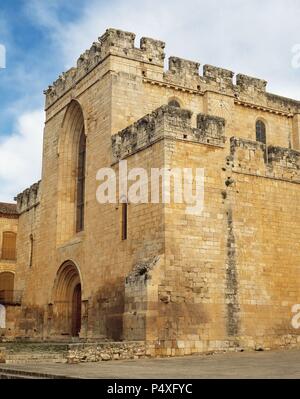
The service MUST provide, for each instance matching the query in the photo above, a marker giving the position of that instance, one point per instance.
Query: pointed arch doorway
(67, 300)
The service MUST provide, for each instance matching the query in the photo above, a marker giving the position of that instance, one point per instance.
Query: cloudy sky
(45, 37)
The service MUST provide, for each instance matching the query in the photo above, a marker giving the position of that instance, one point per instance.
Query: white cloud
(20, 155)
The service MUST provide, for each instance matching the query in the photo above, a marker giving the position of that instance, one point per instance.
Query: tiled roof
(8, 209)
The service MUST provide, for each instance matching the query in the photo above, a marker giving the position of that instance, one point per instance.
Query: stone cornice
(263, 108)
(182, 75)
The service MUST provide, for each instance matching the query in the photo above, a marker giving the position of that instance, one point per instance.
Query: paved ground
(279, 364)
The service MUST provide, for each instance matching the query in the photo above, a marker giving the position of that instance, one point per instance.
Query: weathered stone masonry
(179, 284)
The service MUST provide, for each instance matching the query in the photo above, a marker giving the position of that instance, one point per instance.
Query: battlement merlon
(122, 43)
(284, 157)
(218, 75)
(167, 122)
(29, 198)
(272, 161)
(182, 67)
(225, 77)
(245, 83)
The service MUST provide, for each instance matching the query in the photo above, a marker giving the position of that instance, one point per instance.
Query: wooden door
(6, 287)
(76, 311)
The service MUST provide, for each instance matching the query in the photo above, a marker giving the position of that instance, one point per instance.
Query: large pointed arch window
(81, 183)
(72, 168)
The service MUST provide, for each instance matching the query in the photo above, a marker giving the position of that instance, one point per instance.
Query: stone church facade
(227, 278)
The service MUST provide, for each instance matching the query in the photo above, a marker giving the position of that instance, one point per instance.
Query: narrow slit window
(81, 183)
(124, 221)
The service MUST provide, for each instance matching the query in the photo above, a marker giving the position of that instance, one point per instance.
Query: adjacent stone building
(182, 283)
(8, 257)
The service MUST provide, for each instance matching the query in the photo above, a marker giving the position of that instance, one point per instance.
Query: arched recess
(67, 300)
(73, 129)
(174, 102)
(7, 281)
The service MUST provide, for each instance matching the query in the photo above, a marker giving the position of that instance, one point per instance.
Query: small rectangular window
(31, 250)
(124, 221)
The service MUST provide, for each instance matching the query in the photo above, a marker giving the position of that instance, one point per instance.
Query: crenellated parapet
(182, 74)
(246, 90)
(149, 129)
(167, 122)
(113, 42)
(29, 198)
(252, 157)
(117, 42)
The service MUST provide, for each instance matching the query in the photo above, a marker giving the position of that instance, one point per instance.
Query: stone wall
(201, 295)
(29, 198)
(231, 274)
(29, 319)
